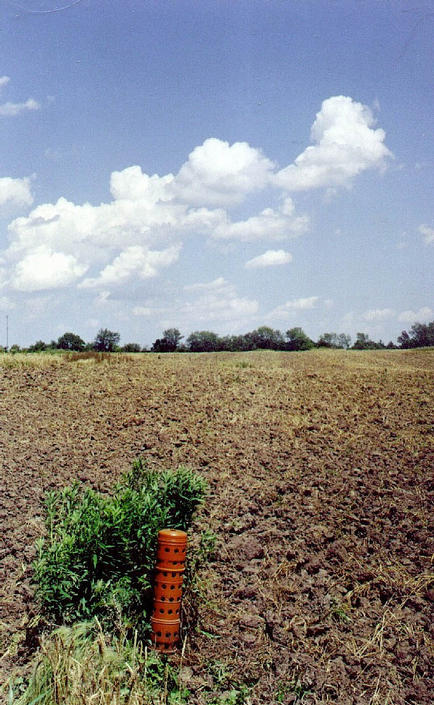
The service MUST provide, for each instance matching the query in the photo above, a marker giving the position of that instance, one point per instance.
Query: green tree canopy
(169, 342)
(333, 340)
(203, 341)
(106, 340)
(363, 342)
(267, 338)
(39, 346)
(298, 340)
(131, 348)
(421, 335)
(70, 341)
(173, 337)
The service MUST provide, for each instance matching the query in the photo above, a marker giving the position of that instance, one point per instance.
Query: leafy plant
(99, 552)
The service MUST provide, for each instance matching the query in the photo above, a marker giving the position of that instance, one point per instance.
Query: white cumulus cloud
(270, 258)
(219, 174)
(421, 316)
(218, 284)
(45, 269)
(147, 217)
(11, 109)
(135, 260)
(345, 143)
(132, 184)
(289, 307)
(15, 191)
(428, 233)
(270, 224)
(378, 314)
(201, 304)
(217, 300)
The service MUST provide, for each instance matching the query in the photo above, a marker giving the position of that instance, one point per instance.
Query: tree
(298, 340)
(328, 340)
(203, 341)
(169, 342)
(421, 336)
(363, 342)
(267, 338)
(332, 340)
(344, 341)
(39, 346)
(404, 340)
(106, 340)
(131, 348)
(173, 337)
(70, 341)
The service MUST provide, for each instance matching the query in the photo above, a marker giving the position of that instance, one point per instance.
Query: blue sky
(215, 165)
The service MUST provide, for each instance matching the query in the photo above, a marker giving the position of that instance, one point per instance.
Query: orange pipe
(169, 573)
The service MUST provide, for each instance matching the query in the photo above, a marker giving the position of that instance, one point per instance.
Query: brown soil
(320, 467)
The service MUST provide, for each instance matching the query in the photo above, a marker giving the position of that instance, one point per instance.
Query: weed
(236, 696)
(219, 671)
(82, 664)
(98, 556)
(339, 613)
(243, 364)
(208, 540)
(295, 687)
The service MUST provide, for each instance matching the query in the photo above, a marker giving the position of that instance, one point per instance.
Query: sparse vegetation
(320, 588)
(82, 664)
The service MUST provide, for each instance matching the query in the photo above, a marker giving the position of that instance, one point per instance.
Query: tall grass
(81, 664)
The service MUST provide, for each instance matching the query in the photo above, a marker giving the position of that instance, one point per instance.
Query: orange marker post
(169, 573)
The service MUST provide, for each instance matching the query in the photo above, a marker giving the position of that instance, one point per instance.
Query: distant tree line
(105, 341)
(262, 338)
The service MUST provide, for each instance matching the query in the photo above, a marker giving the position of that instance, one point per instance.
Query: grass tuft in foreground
(81, 664)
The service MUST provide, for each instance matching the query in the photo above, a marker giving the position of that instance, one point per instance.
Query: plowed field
(320, 466)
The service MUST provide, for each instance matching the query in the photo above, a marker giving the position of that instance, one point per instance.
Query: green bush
(99, 552)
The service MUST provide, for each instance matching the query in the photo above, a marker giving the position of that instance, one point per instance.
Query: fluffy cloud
(216, 301)
(344, 144)
(97, 231)
(289, 307)
(421, 316)
(133, 234)
(12, 109)
(270, 224)
(45, 269)
(378, 314)
(133, 261)
(220, 284)
(132, 184)
(428, 233)
(219, 174)
(269, 259)
(201, 303)
(15, 191)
